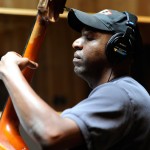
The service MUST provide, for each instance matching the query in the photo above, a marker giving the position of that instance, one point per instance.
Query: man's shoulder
(119, 84)
(111, 87)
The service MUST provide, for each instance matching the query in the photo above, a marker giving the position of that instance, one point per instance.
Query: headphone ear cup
(116, 48)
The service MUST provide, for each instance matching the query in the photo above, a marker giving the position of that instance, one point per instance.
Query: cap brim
(78, 20)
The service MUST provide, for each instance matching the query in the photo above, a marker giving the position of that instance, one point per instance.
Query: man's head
(107, 38)
(122, 25)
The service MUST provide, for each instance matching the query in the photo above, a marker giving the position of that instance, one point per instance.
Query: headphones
(121, 45)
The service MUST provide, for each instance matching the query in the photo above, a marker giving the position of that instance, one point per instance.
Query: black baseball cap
(108, 20)
(105, 20)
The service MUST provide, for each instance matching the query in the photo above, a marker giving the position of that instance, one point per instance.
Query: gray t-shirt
(115, 116)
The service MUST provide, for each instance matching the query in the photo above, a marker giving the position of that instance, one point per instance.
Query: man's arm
(41, 121)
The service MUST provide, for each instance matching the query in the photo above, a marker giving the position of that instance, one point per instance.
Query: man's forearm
(36, 116)
(31, 109)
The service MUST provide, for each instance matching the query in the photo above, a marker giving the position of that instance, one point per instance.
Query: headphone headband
(131, 19)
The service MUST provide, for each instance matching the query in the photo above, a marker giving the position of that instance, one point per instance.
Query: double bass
(48, 11)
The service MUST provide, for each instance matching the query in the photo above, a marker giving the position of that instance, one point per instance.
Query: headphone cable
(109, 79)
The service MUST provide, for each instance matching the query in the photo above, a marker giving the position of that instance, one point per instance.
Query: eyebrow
(88, 31)
(93, 30)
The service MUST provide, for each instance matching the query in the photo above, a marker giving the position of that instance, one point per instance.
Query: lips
(76, 59)
(77, 56)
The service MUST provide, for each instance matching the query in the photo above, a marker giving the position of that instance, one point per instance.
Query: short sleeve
(104, 117)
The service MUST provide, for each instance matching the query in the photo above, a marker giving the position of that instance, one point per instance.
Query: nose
(78, 44)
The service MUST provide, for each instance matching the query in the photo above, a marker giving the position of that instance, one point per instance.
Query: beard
(90, 67)
(90, 71)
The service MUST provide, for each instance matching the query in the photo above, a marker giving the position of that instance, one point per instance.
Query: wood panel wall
(139, 7)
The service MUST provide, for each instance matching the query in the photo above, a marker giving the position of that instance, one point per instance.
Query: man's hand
(13, 60)
(51, 9)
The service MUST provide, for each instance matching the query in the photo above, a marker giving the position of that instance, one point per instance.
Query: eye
(90, 37)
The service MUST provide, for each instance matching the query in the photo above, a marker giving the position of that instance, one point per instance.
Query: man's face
(89, 57)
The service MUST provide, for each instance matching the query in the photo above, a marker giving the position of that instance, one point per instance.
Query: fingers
(8, 54)
(50, 9)
(52, 12)
(28, 63)
(14, 58)
(33, 65)
(56, 7)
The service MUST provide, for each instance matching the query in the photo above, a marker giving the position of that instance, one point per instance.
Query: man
(116, 114)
